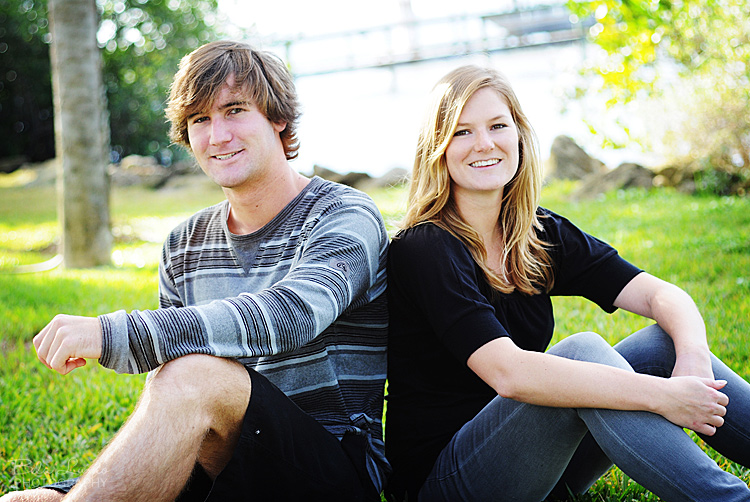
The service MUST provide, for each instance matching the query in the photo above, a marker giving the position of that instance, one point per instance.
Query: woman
(477, 410)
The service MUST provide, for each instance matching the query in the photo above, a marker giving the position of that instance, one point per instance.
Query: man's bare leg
(37, 495)
(191, 410)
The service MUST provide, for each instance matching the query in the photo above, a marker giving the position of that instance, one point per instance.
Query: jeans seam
(481, 445)
(637, 456)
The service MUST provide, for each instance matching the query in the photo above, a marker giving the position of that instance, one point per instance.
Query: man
(287, 277)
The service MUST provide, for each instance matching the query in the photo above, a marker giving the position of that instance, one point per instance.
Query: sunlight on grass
(52, 426)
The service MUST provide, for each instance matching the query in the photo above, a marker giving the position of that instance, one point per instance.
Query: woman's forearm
(549, 380)
(676, 313)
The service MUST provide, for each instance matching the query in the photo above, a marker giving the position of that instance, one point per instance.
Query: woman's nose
(483, 142)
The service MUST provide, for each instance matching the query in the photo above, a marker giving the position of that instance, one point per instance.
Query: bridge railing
(429, 39)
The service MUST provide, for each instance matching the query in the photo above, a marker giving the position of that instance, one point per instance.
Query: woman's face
(483, 154)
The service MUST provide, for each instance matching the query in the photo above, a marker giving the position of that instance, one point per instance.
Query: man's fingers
(64, 343)
(55, 359)
(42, 342)
(72, 364)
(61, 350)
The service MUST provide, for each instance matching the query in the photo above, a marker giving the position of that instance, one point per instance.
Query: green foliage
(142, 43)
(52, 427)
(683, 67)
(25, 85)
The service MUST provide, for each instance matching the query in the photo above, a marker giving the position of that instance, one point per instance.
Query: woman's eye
(499, 126)
(462, 132)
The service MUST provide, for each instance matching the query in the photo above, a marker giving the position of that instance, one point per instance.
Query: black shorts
(283, 454)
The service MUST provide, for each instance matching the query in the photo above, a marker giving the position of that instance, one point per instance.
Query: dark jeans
(513, 451)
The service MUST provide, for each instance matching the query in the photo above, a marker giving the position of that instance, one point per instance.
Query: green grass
(51, 426)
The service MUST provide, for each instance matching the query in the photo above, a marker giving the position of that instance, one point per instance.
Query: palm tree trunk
(81, 134)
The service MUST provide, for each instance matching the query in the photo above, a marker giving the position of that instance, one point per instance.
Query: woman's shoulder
(425, 235)
(556, 227)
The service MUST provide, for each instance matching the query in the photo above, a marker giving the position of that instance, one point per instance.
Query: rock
(569, 161)
(10, 164)
(325, 173)
(352, 179)
(185, 167)
(139, 170)
(626, 175)
(395, 177)
(38, 174)
(355, 180)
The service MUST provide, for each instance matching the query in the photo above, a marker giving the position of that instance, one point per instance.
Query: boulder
(626, 175)
(139, 170)
(10, 164)
(352, 179)
(395, 177)
(569, 161)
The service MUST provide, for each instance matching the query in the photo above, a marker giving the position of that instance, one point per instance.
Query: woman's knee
(649, 350)
(588, 346)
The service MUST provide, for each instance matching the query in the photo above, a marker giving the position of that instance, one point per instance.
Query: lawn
(52, 426)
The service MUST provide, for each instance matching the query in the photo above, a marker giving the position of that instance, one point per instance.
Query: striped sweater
(301, 301)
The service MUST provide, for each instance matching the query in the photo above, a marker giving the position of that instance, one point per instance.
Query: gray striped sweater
(301, 300)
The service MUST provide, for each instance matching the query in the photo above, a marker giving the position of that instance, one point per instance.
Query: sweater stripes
(301, 301)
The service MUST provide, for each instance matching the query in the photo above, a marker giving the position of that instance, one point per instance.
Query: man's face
(233, 141)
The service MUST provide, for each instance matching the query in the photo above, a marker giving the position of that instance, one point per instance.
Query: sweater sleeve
(339, 267)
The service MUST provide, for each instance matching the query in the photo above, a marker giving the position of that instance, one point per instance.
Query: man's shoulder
(204, 221)
(327, 199)
(331, 190)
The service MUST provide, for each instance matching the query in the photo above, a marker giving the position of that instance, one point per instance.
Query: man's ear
(279, 126)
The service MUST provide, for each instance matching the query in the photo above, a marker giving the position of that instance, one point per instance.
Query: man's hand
(66, 342)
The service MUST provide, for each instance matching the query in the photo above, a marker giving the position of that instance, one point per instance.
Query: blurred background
(625, 95)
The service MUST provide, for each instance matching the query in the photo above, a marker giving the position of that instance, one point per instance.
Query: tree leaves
(683, 54)
(142, 43)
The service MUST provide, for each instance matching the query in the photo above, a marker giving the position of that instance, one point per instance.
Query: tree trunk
(81, 134)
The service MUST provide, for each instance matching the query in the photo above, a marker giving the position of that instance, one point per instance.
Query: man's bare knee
(37, 495)
(215, 390)
(217, 386)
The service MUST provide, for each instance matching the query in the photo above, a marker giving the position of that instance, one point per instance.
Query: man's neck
(254, 206)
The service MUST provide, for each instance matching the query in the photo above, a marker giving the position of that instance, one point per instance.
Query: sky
(310, 17)
(367, 120)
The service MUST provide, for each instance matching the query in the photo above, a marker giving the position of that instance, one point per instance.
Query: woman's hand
(693, 363)
(695, 403)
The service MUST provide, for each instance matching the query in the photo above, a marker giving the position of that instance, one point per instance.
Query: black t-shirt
(442, 310)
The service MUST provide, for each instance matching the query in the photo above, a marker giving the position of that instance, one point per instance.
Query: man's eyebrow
(234, 103)
(222, 107)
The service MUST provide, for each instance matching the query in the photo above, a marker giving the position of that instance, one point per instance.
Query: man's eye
(198, 120)
(235, 111)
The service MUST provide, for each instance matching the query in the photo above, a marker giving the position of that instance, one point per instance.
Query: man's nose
(220, 132)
